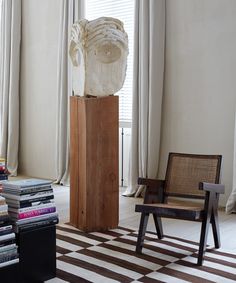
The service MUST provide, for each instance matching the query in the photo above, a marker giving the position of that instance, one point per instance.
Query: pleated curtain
(10, 38)
(148, 77)
(71, 11)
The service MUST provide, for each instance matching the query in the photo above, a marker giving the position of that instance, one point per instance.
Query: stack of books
(8, 248)
(30, 203)
(3, 172)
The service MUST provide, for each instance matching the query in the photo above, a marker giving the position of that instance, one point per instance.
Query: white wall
(200, 84)
(40, 28)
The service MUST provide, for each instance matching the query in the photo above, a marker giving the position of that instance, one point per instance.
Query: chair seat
(172, 210)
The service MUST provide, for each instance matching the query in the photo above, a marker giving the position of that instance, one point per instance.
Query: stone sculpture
(98, 50)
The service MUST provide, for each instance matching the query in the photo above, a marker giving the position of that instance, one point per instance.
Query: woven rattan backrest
(185, 171)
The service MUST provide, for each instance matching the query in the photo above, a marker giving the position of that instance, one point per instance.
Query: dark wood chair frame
(155, 193)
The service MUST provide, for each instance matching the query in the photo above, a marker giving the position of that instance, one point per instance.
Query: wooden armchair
(189, 176)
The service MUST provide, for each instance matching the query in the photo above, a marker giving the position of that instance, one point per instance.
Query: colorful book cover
(51, 203)
(2, 168)
(36, 218)
(37, 212)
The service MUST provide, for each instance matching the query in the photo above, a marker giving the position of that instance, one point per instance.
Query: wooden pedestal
(94, 187)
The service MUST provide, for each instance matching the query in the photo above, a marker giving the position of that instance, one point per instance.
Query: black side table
(37, 254)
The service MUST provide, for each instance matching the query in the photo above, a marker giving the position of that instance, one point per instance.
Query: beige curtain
(10, 37)
(71, 11)
(231, 203)
(149, 46)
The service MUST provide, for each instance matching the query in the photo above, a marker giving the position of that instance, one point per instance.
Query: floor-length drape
(71, 10)
(148, 76)
(10, 37)
(231, 203)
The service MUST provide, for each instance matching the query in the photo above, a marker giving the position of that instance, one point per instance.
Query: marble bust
(98, 50)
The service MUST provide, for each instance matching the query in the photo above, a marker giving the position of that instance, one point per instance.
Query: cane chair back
(185, 171)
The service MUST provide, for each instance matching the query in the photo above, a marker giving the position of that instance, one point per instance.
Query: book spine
(3, 176)
(25, 203)
(8, 255)
(37, 218)
(10, 262)
(3, 213)
(33, 207)
(5, 230)
(27, 196)
(2, 201)
(7, 242)
(23, 186)
(3, 207)
(38, 212)
(25, 191)
(8, 258)
(15, 199)
(2, 233)
(7, 237)
(36, 195)
(4, 219)
(22, 205)
(6, 248)
(44, 223)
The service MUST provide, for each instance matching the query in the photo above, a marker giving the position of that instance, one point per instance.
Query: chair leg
(215, 228)
(158, 225)
(203, 239)
(142, 231)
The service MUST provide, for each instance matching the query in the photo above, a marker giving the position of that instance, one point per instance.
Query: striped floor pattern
(110, 257)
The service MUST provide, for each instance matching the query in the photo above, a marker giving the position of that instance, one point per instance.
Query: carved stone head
(98, 50)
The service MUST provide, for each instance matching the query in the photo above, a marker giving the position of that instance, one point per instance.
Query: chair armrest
(210, 187)
(154, 190)
(151, 182)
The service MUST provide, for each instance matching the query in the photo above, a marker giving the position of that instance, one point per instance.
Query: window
(124, 11)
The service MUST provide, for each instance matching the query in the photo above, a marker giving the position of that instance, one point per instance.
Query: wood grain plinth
(94, 187)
